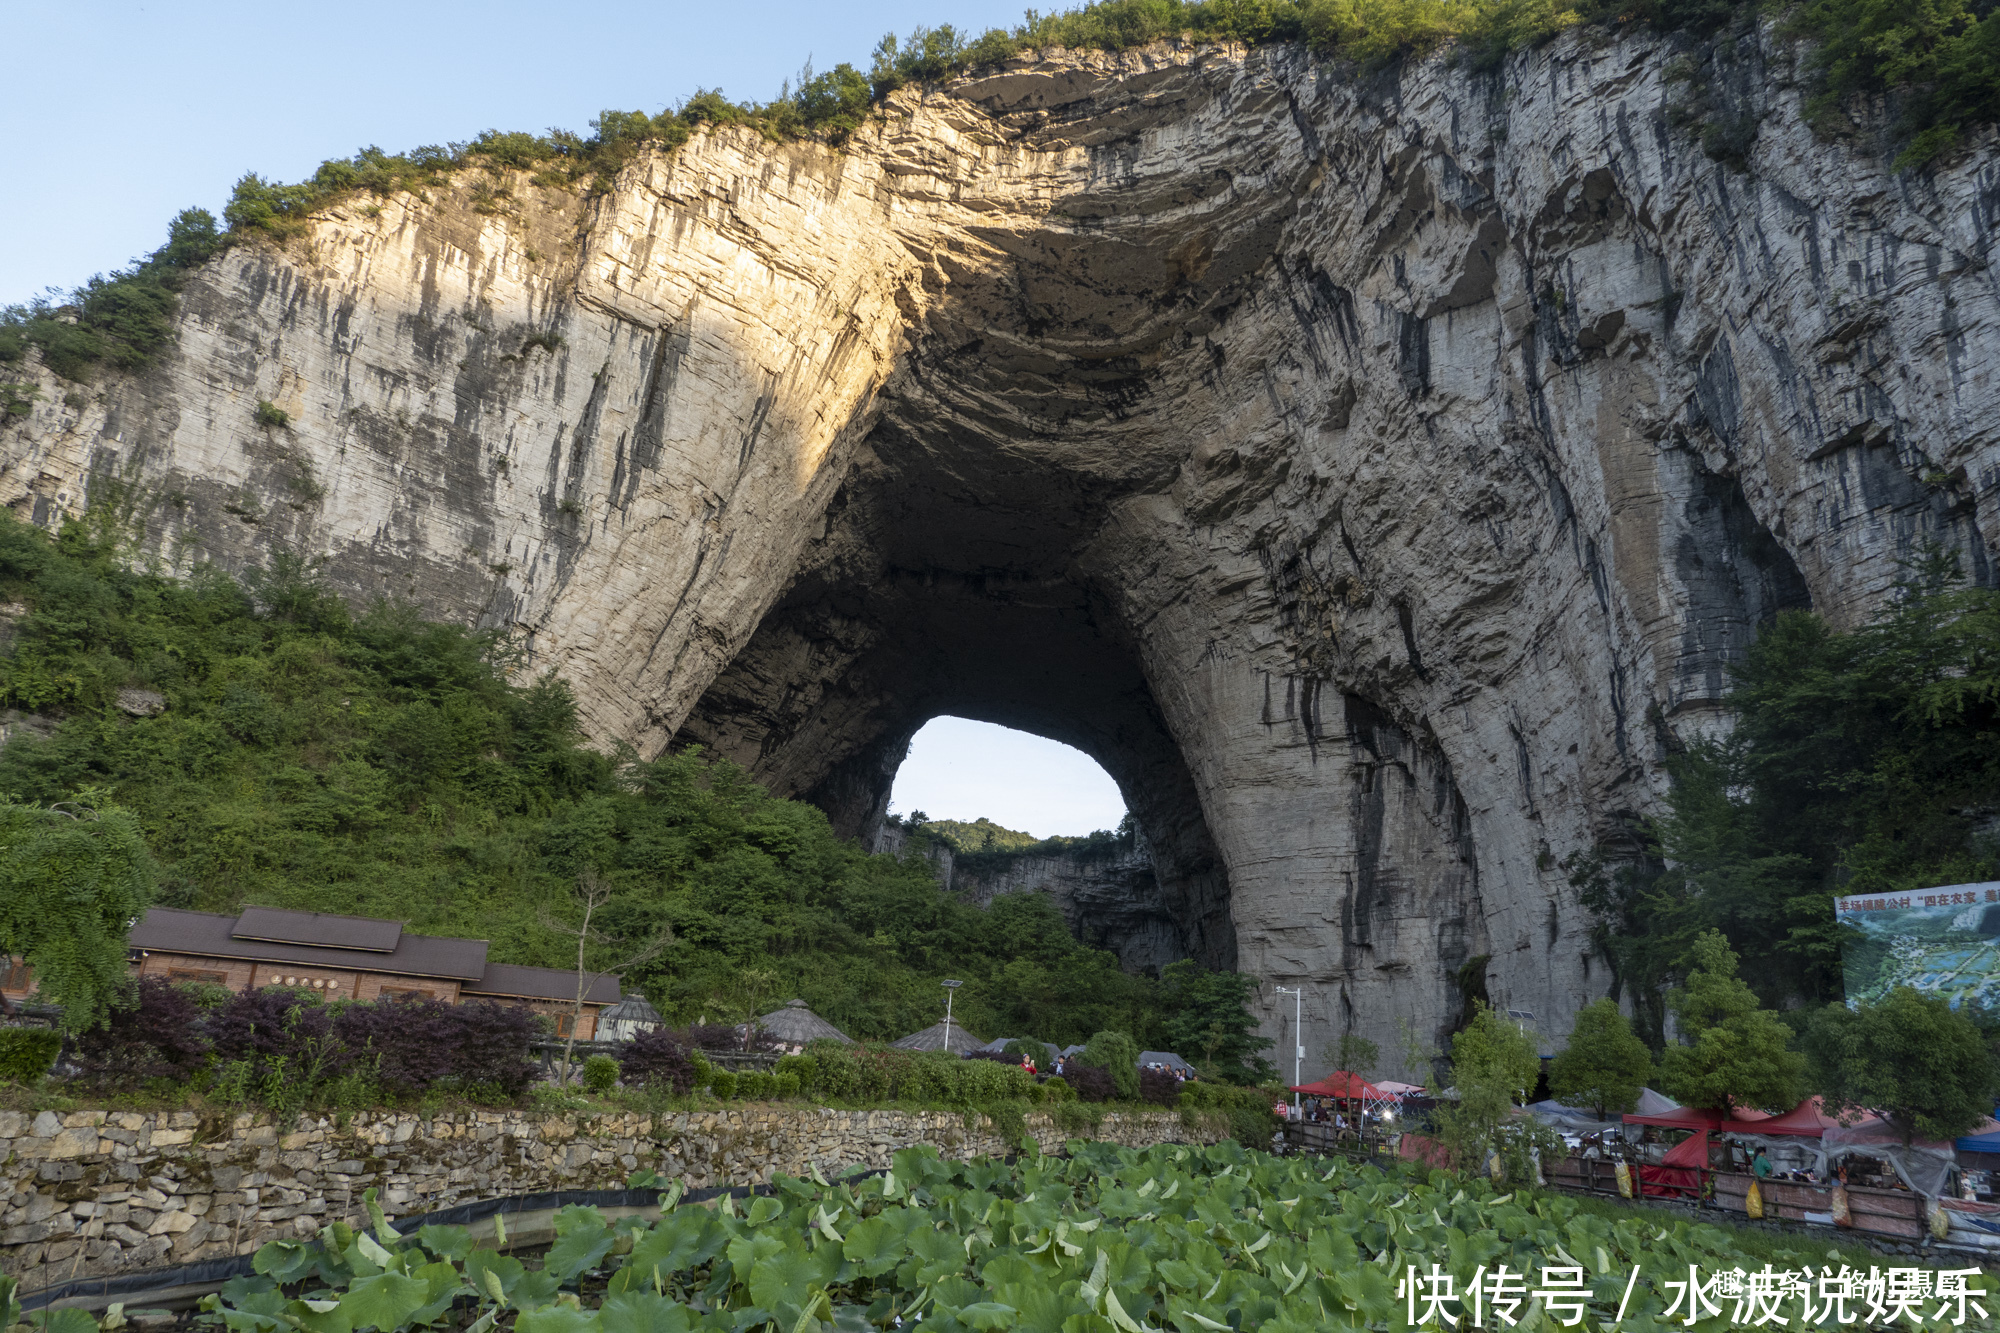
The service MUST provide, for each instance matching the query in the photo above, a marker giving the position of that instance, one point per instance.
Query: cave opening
(1015, 782)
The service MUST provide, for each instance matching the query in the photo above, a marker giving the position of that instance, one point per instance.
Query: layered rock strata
(1377, 474)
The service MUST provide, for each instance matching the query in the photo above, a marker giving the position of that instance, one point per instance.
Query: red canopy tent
(1696, 1118)
(1681, 1117)
(1806, 1120)
(1340, 1083)
(1679, 1172)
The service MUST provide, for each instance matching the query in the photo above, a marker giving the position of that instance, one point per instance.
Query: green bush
(124, 318)
(1056, 1091)
(801, 1065)
(1074, 1117)
(836, 1073)
(600, 1073)
(27, 1053)
(704, 1072)
(723, 1083)
(1118, 1054)
(270, 414)
(754, 1086)
(785, 1086)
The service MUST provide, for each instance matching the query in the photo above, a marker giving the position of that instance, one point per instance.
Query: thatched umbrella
(795, 1025)
(932, 1039)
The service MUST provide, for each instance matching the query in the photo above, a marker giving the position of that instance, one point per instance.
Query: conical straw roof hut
(795, 1025)
(932, 1039)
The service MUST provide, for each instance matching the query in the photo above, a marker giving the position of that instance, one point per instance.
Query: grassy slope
(384, 766)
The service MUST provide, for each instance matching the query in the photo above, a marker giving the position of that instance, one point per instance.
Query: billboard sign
(1943, 941)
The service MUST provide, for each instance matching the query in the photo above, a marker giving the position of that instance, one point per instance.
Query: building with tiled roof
(352, 957)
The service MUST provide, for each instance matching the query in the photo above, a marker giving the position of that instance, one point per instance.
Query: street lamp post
(1298, 1036)
(949, 987)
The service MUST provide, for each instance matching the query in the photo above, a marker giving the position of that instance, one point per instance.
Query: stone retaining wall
(93, 1192)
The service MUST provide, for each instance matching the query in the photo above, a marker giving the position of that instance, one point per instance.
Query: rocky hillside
(1376, 474)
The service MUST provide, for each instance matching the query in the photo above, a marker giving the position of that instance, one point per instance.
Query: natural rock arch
(1375, 476)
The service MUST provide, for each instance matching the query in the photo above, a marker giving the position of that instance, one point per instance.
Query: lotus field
(1105, 1240)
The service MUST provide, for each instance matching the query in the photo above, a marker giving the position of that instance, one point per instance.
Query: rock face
(1109, 895)
(1376, 475)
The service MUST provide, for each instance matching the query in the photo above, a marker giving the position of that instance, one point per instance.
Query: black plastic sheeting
(132, 1288)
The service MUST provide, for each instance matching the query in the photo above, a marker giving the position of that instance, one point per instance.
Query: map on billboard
(1943, 941)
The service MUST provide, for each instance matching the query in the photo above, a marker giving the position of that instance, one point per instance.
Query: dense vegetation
(1105, 1238)
(377, 764)
(121, 319)
(981, 835)
(1861, 762)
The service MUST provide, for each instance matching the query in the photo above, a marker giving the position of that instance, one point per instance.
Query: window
(409, 990)
(15, 974)
(196, 974)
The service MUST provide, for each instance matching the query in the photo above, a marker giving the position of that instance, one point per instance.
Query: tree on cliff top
(1736, 1054)
(1604, 1065)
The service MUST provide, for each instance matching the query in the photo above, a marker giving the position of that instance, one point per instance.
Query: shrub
(787, 1086)
(491, 1048)
(123, 318)
(661, 1059)
(1091, 1083)
(1056, 1091)
(1075, 1117)
(158, 1034)
(1159, 1087)
(1119, 1054)
(407, 1041)
(723, 1083)
(270, 414)
(801, 1066)
(276, 1030)
(27, 1053)
(755, 1086)
(600, 1073)
(933, 1076)
(836, 1073)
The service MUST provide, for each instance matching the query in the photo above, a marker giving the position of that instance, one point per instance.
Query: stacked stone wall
(95, 1192)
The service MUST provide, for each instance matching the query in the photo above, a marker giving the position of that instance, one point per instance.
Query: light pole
(1298, 1036)
(949, 987)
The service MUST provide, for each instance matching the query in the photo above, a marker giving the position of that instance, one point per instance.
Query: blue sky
(119, 115)
(959, 769)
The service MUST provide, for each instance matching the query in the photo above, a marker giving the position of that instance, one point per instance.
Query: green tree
(1909, 1057)
(1493, 1052)
(1493, 1064)
(1858, 762)
(1734, 1053)
(1119, 1054)
(1208, 1015)
(1604, 1065)
(73, 880)
(1354, 1053)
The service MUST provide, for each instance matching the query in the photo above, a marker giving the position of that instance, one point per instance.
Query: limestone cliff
(1376, 474)
(1109, 893)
